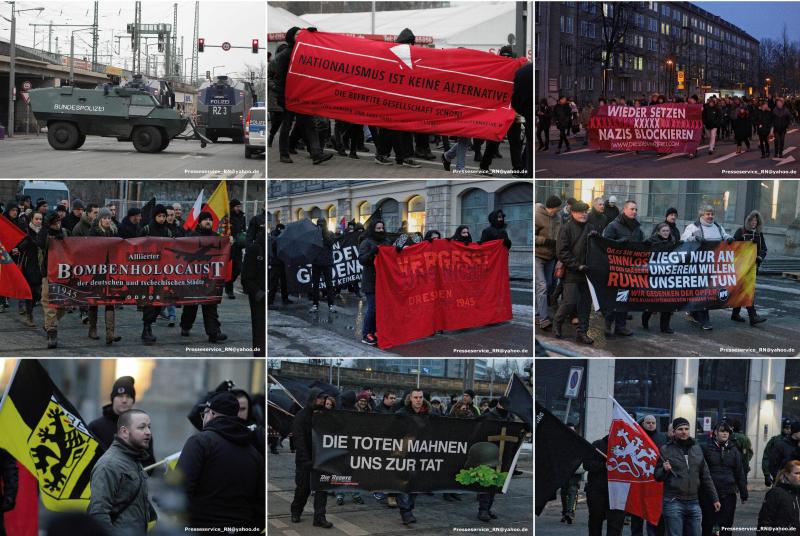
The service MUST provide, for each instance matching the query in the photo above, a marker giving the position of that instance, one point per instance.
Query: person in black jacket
(499, 413)
(239, 234)
(123, 398)
(597, 496)
(223, 473)
(373, 237)
(612, 210)
(624, 228)
(544, 115)
(712, 121)
(157, 227)
(597, 218)
(742, 129)
(131, 225)
(304, 461)
(462, 235)
(321, 267)
(562, 114)
(30, 265)
(780, 513)
(763, 120)
(785, 449)
(103, 226)
(210, 315)
(780, 122)
(497, 229)
(9, 482)
(727, 471)
(72, 219)
(253, 275)
(571, 247)
(387, 405)
(662, 238)
(752, 231)
(277, 269)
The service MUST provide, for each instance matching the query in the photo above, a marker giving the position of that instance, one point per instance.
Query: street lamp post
(12, 56)
(72, 53)
(669, 77)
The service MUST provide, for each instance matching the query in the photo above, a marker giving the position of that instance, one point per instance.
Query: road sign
(681, 86)
(681, 77)
(706, 424)
(26, 85)
(574, 382)
(226, 46)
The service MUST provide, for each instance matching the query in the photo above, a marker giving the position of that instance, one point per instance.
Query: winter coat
(301, 431)
(96, 230)
(254, 270)
(495, 231)
(571, 249)
(624, 229)
(562, 114)
(712, 116)
(743, 234)
(657, 437)
(70, 221)
(461, 410)
(687, 476)
(598, 220)
(658, 243)
(9, 482)
(255, 224)
(522, 94)
(781, 509)
(765, 458)
(127, 229)
(725, 465)
(282, 60)
(154, 229)
(597, 480)
(544, 114)
(785, 449)
(458, 238)
(238, 224)
(763, 120)
(272, 98)
(104, 428)
(673, 231)
(42, 240)
(384, 409)
(782, 119)
(30, 259)
(118, 480)
(696, 231)
(325, 257)
(223, 476)
(742, 128)
(83, 227)
(610, 212)
(367, 250)
(407, 410)
(547, 228)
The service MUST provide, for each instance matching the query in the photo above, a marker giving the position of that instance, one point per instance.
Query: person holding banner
(374, 236)
(51, 231)
(752, 231)
(662, 238)
(623, 229)
(415, 404)
(104, 227)
(29, 255)
(131, 225)
(597, 495)
(157, 227)
(321, 268)
(727, 471)
(9, 481)
(462, 235)
(682, 468)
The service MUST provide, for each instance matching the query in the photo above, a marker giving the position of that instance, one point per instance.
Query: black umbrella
(300, 243)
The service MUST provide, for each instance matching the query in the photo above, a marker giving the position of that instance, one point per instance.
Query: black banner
(404, 453)
(345, 271)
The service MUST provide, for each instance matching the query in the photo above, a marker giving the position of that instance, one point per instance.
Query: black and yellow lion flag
(44, 432)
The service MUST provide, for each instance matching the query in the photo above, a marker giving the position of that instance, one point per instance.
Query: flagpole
(276, 406)
(279, 384)
(162, 462)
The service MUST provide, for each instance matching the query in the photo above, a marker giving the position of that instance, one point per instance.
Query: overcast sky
(237, 22)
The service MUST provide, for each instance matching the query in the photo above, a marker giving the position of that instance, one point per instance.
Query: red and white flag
(191, 219)
(631, 466)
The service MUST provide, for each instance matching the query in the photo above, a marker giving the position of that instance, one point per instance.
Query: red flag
(459, 92)
(191, 218)
(12, 282)
(23, 520)
(439, 285)
(9, 233)
(631, 465)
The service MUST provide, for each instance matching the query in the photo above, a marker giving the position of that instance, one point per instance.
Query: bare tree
(617, 21)
(257, 74)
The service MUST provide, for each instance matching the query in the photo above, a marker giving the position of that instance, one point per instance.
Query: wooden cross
(502, 438)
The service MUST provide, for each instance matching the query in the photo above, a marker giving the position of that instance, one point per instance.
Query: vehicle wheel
(248, 153)
(212, 137)
(63, 136)
(81, 141)
(147, 139)
(164, 144)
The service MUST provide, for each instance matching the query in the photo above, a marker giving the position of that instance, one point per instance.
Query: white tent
(478, 25)
(278, 21)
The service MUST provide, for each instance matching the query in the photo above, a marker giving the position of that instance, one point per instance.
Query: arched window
(364, 211)
(315, 214)
(332, 218)
(390, 214)
(276, 218)
(516, 202)
(416, 214)
(474, 209)
(300, 214)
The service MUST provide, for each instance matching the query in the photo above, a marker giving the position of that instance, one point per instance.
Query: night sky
(759, 19)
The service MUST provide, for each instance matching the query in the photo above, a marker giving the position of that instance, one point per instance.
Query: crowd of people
(314, 134)
(42, 224)
(221, 468)
(741, 118)
(703, 478)
(562, 235)
(374, 235)
(415, 402)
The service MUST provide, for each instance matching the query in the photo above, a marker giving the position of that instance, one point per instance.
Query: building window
(516, 201)
(364, 212)
(300, 214)
(722, 392)
(332, 223)
(644, 387)
(551, 377)
(664, 28)
(566, 24)
(652, 24)
(791, 391)
(474, 208)
(587, 29)
(664, 10)
(416, 214)
(777, 202)
(390, 214)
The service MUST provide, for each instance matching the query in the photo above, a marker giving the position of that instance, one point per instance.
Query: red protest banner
(439, 285)
(141, 271)
(10, 234)
(457, 92)
(665, 128)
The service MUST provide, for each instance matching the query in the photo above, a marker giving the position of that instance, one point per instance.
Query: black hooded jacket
(496, 231)
(301, 431)
(624, 229)
(282, 61)
(457, 235)
(9, 481)
(223, 476)
(597, 482)
(785, 449)
(105, 427)
(781, 509)
(406, 37)
(725, 465)
(155, 229)
(325, 257)
(367, 250)
(756, 236)
(128, 229)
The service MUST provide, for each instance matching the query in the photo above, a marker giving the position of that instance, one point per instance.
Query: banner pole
(285, 389)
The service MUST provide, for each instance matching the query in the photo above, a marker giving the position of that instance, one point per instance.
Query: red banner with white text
(665, 128)
(439, 285)
(138, 271)
(458, 92)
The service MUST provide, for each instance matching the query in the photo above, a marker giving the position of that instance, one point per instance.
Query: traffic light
(201, 44)
(161, 42)
(255, 46)
(208, 75)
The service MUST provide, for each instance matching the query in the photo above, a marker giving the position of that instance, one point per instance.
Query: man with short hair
(112, 207)
(650, 427)
(84, 226)
(131, 225)
(786, 431)
(624, 229)
(548, 224)
(72, 219)
(223, 473)
(387, 404)
(597, 216)
(415, 405)
(119, 500)
(467, 399)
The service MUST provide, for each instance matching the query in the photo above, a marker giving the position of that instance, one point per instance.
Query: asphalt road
(582, 162)
(549, 522)
(18, 340)
(32, 157)
(294, 332)
(777, 299)
(434, 515)
(365, 166)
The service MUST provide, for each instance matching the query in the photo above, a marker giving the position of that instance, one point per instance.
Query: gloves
(729, 240)
(583, 268)
(593, 233)
(549, 242)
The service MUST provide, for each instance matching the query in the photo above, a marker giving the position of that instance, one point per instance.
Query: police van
(255, 131)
